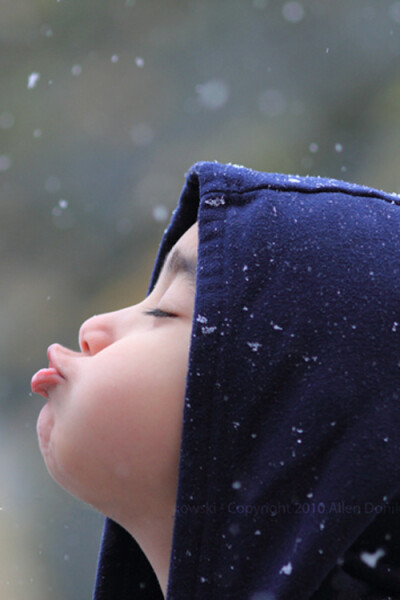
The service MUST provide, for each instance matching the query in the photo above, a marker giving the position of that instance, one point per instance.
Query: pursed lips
(48, 377)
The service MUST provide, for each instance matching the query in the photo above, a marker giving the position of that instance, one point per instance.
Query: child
(263, 463)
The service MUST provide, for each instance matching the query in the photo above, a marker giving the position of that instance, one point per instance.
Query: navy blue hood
(289, 480)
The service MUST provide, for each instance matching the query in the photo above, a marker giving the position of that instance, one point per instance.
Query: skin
(110, 432)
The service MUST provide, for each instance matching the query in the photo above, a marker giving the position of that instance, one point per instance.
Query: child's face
(110, 432)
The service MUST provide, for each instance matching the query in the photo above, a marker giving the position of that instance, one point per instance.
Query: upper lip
(53, 363)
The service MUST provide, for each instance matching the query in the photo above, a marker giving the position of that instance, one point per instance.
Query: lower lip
(43, 380)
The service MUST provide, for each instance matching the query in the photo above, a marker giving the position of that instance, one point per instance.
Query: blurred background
(104, 105)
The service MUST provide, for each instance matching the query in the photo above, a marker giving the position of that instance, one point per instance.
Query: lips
(44, 379)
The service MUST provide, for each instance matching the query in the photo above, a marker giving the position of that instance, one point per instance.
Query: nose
(97, 333)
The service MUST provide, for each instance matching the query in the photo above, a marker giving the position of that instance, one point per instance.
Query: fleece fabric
(289, 477)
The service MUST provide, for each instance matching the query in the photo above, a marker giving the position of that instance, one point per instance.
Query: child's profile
(239, 426)
(111, 432)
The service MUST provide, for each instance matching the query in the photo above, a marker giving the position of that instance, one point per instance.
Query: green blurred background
(103, 107)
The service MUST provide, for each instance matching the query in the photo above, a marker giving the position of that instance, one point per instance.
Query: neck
(154, 536)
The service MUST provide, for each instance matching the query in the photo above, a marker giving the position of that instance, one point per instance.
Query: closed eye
(157, 312)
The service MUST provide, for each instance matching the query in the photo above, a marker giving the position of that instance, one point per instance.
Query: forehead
(188, 243)
(182, 257)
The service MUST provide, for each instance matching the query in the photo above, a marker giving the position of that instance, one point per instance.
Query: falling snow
(46, 30)
(286, 569)
(207, 330)
(33, 80)
(160, 213)
(218, 201)
(254, 346)
(76, 70)
(213, 94)
(371, 558)
(293, 12)
(310, 358)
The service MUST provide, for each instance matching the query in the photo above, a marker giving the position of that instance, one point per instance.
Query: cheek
(122, 420)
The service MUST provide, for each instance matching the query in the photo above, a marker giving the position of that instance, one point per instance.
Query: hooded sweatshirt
(289, 475)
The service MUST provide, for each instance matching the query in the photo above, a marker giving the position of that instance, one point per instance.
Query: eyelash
(157, 312)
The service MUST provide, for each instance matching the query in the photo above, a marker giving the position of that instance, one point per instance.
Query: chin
(45, 432)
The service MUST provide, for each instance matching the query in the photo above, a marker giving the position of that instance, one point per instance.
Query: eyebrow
(179, 263)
